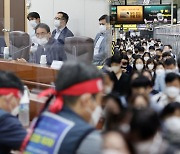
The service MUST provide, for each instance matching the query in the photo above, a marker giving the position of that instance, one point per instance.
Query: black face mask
(158, 57)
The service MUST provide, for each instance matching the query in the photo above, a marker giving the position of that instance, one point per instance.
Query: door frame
(7, 18)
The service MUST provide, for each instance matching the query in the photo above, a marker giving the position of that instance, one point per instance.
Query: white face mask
(152, 53)
(96, 115)
(146, 58)
(57, 23)
(107, 89)
(115, 69)
(170, 71)
(102, 28)
(15, 111)
(111, 151)
(139, 67)
(172, 92)
(160, 71)
(173, 121)
(43, 41)
(33, 23)
(129, 56)
(150, 66)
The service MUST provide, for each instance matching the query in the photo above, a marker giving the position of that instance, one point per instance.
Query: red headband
(14, 91)
(91, 86)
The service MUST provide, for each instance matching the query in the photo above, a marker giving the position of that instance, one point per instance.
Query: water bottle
(24, 108)
(6, 52)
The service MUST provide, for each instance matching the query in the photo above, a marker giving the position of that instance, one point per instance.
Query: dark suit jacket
(65, 33)
(53, 51)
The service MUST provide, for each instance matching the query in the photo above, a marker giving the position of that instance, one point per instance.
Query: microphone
(19, 53)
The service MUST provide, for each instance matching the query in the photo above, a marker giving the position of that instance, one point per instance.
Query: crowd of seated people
(130, 106)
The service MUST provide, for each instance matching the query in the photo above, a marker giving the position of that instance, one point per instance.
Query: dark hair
(170, 77)
(165, 54)
(129, 51)
(9, 80)
(169, 109)
(146, 53)
(134, 63)
(169, 62)
(144, 124)
(116, 59)
(169, 46)
(151, 48)
(73, 72)
(106, 17)
(156, 45)
(65, 16)
(141, 49)
(33, 15)
(144, 43)
(178, 62)
(141, 81)
(159, 50)
(150, 60)
(42, 25)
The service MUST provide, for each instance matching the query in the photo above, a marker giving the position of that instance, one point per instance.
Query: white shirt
(58, 32)
(98, 43)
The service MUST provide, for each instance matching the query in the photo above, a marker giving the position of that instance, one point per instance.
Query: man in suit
(61, 31)
(102, 42)
(47, 46)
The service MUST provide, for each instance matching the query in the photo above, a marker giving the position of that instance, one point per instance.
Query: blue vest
(60, 133)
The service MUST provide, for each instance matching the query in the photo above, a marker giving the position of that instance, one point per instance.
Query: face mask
(95, 116)
(129, 56)
(172, 92)
(170, 71)
(57, 23)
(139, 67)
(115, 69)
(107, 90)
(15, 111)
(42, 41)
(150, 66)
(146, 58)
(33, 23)
(111, 151)
(160, 71)
(171, 129)
(143, 147)
(152, 53)
(102, 28)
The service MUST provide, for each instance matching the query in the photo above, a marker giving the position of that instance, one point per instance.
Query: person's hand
(22, 60)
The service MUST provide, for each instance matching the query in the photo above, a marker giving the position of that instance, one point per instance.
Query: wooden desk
(33, 75)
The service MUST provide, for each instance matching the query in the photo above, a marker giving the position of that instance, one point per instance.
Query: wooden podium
(35, 77)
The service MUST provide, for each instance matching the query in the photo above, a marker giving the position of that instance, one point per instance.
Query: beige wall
(83, 14)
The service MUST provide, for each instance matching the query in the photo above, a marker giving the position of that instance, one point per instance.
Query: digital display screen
(126, 14)
(160, 13)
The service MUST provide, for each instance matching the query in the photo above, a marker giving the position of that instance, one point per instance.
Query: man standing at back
(102, 42)
(64, 123)
(61, 31)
